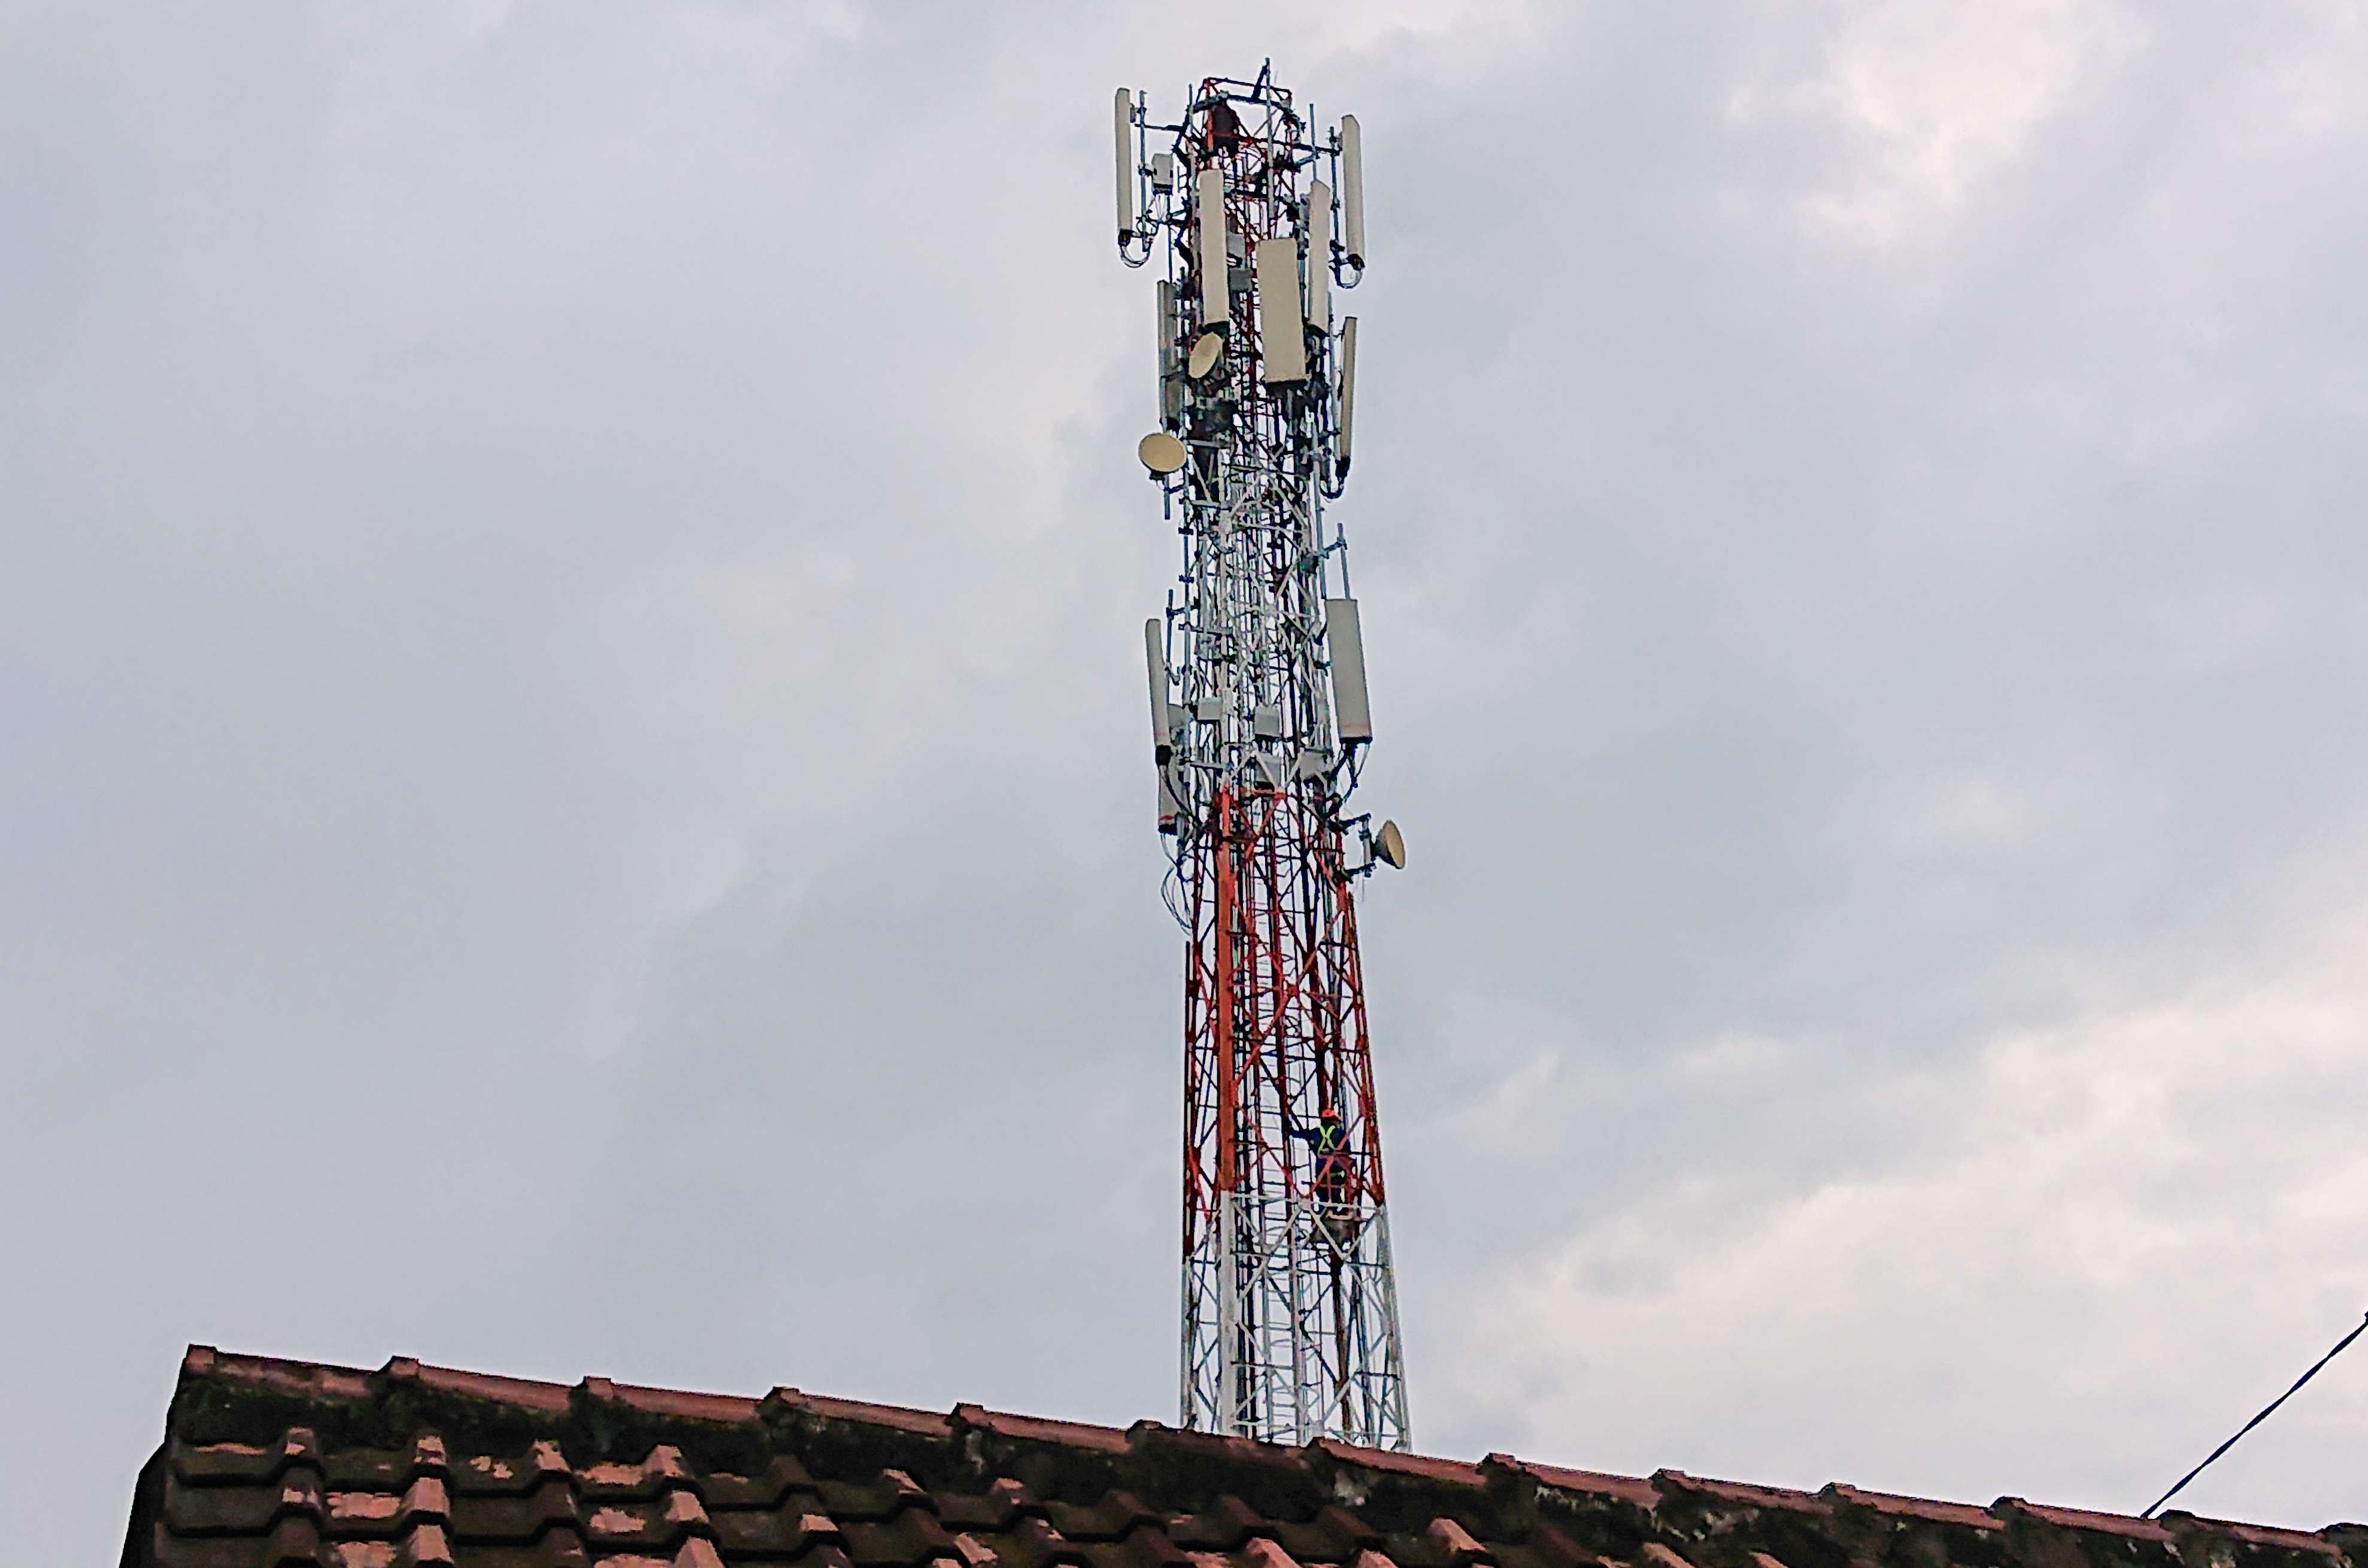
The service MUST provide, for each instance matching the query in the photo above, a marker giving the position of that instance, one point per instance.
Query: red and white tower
(1259, 725)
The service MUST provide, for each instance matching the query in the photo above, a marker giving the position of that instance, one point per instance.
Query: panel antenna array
(1260, 723)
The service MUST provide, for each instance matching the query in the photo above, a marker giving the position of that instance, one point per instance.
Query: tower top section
(1259, 213)
(1224, 119)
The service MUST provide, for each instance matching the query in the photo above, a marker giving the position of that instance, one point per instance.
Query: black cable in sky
(2257, 1420)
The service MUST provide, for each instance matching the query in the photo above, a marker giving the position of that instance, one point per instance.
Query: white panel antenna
(1171, 393)
(1123, 125)
(1163, 716)
(1209, 199)
(1348, 389)
(1319, 255)
(1353, 187)
(1346, 640)
(1283, 333)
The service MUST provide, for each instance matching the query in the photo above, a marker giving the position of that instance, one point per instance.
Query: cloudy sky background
(571, 780)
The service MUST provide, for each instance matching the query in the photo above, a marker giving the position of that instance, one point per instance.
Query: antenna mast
(1260, 723)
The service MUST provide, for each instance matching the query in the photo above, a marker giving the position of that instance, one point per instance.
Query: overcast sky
(571, 787)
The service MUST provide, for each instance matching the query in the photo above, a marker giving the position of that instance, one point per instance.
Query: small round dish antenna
(1161, 453)
(1389, 847)
(1207, 349)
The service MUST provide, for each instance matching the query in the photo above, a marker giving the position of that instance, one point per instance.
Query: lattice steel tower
(1260, 723)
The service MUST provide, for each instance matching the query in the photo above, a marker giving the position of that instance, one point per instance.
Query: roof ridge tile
(1217, 1445)
(1041, 1428)
(1459, 1472)
(2180, 1521)
(2125, 1525)
(783, 1400)
(1901, 1505)
(1742, 1492)
(1637, 1491)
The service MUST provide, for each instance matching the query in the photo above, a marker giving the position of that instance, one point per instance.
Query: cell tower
(1260, 725)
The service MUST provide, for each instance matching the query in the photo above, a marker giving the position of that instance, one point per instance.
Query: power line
(2266, 1412)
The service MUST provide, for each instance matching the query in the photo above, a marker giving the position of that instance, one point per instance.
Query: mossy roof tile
(269, 1461)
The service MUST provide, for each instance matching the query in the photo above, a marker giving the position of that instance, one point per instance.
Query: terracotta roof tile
(1036, 1429)
(1921, 1508)
(1554, 1549)
(1632, 1489)
(2178, 1521)
(1458, 1472)
(2083, 1519)
(480, 1385)
(1226, 1525)
(1346, 1528)
(920, 1423)
(267, 1462)
(1457, 1541)
(1111, 1517)
(1742, 1492)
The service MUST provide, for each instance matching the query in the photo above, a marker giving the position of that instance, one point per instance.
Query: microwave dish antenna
(1162, 453)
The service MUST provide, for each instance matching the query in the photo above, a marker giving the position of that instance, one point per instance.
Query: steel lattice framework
(1260, 720)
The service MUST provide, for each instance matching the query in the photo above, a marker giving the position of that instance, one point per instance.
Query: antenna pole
(1289, 1321)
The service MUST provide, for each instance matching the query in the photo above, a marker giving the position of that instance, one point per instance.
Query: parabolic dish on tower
(1161, 453)
(1207, 349)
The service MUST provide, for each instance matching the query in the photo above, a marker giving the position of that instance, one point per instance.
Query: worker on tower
(1328, 1142)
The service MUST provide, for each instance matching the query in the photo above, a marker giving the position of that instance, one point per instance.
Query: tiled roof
(267, 1462)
